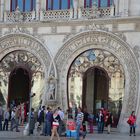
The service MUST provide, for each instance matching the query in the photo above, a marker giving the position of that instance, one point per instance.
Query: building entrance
(19, 86)
(95, 80)
(95, 89)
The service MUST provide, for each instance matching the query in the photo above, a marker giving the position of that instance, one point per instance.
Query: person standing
(48, 122)
(32, 122)
(132, 124)
(1, 114)
(79, 121)
(55, 125)
(90, 120)
(100, 121)
(109, 121)
(22, 114)
(85, 122)
(15, 119)
(6, 119)
(61, 123)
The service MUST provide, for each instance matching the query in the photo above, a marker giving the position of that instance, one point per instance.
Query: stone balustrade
(56, 14)
(18, 16)
(96, 12)
(67, 14)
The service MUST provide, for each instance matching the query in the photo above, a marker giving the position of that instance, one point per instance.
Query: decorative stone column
(112, 10)
(2, 10)
(126, 6)
(43, 5)
(75, 6)
(116, 4)
(7, 8)
(123, 7)
(38, 8)
(79, 6)
(7, 4)
(81, 3)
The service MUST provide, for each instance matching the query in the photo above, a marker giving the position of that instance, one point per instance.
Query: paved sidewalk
(115, 135)
(4, 135)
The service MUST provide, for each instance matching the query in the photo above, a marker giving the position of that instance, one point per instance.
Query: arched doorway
(95, 89)
(21, 67)
(124, 82)
(19, 86)
(95, 80)
(27, 51)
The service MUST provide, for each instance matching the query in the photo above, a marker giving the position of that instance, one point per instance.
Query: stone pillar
(38, 9)
(43, 5)
(126, 6)
(2, 10)
(7, 5)
(138, 120)
(81, 3)
(123, 7)
(116, 4)
(112, 11)
(71, 13)
(134, 7)
(90, 92)
(75, 6)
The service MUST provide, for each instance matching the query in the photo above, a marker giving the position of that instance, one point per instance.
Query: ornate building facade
(72, 53)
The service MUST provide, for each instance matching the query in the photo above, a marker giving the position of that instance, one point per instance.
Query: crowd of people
(16, 114)
(52, 123)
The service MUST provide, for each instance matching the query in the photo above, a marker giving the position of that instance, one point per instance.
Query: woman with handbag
(132, 123)
(55, 125)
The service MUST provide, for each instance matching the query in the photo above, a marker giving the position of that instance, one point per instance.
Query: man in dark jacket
(41, 119)
(48, 121)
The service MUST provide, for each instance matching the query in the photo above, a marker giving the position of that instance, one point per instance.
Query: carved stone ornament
(106, 41)
(21, 30)
(121, 35)
(89, 27)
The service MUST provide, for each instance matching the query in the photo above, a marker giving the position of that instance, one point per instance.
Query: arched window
(58, 4)
(24, 5)
(99, 3)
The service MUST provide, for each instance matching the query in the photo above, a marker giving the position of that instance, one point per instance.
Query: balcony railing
(86, 13)
(55, 14)
(95, 12)
(18, 16)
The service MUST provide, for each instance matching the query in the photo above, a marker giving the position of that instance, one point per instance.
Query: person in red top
(132, 124)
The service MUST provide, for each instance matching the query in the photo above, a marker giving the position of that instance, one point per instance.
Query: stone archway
(111, 43)
(26, 45)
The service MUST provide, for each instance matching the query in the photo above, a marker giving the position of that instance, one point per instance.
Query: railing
(55, 14)
(19, 16)
(97, 12)
(93, 12)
